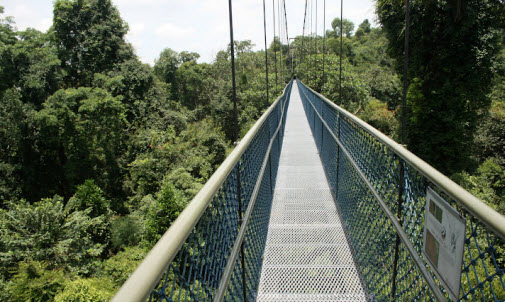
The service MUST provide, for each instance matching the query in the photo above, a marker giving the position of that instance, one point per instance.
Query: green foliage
(156, 152)
(84, 290)
(355, 91)
(453, 48)
(89, 195)
(190, 83)
(4, 293)
(133, 83)
(7, 35)
(120, 266)
(44, 231)
(13, 134)
(488, 184)
(365, 27)
(184, 182)
(127, 231)
(31, 65)
(125, 145)
(81, 137)
(367, 69)
(376, 113)
(89, 35)
(195, 152)
(186, 56)
(165, 67)
(347, 25)
(169, 203)
(491, 133)
(35, 282)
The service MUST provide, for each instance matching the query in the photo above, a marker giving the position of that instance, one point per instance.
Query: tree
(276, 45)
(166, 65)
(119, 267)
(31, 65)
(12, 132)
(7, 37)
(190, 80)
(365, 26)
(81, 137)
(169, 203)
(89, 35)
(183, 73)
(88, 289)
(7, 34)
(35, 281)
(348, 27)
(44, 231)
(89, 195)
(186, 56)
(491, 134)
(132, 82)
(453, 46)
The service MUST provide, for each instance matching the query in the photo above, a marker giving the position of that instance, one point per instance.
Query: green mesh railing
(215, 246)
(370, 176)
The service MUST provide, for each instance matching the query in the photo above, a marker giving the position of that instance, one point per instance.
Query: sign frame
(443, 241)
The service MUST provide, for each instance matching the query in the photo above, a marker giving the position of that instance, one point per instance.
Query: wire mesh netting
(372, 234)
(196, 271)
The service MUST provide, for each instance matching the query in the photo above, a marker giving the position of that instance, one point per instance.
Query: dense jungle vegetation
(99, 152)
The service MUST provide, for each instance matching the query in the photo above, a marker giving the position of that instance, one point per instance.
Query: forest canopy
(99, 152)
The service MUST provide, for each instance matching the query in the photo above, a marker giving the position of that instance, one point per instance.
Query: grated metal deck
(307, 257)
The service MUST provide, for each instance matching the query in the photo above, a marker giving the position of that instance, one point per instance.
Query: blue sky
(195, 25)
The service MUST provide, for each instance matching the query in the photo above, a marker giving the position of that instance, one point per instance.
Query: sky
(197, 25)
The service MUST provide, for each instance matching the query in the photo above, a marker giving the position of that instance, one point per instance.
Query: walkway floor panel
(307, 257)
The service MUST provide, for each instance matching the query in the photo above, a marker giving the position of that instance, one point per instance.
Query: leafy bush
(169, 203)
(44, 231)
(376, 113)
(126, 231)
(487, 184)
(34, 282)
(89, 195)
(85, 290)
(119, 267)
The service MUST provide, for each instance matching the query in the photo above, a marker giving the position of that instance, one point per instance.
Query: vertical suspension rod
(341, 52)
(315, 45)
(286, 23)
(402, 140)
(303, 32)
(275, 52)
(281, 35)
(266, 49)
(310, 38)
(235, 117)
(324, 38)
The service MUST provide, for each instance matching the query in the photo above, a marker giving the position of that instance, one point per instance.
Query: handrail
(223, 285)
(142, 281)
(487, 215)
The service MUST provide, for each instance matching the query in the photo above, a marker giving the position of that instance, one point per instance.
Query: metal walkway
(307, 257)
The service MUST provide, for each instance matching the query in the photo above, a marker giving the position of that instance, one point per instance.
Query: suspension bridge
(316, 205)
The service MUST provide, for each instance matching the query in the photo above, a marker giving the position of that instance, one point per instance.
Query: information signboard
(444, 238)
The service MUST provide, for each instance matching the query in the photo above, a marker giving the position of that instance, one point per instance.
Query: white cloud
(138, 2)
(169, 30)
(136, 29)
(194, 25)
(44, 24)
